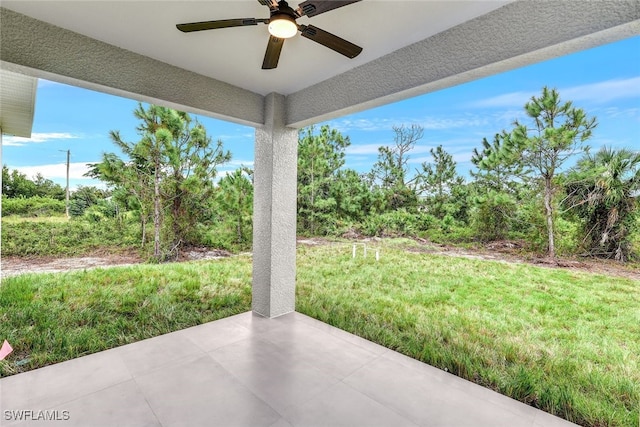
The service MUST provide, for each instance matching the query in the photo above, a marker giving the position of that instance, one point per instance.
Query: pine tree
(537, 152)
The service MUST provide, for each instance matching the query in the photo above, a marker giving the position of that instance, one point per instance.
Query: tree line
(519, 188)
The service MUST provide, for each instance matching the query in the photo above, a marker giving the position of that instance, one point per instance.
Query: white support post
(274, 212)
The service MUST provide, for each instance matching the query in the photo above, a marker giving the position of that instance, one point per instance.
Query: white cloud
(606, 91)
(458, 158)
(599, 92)
(42, 83)
(363, 149)
(36, 138)
(371, 125)
(438, 123)
(249, 137)
(509, 100)
(235, 164)
(632, 113)
(55, 171)
(427, 123)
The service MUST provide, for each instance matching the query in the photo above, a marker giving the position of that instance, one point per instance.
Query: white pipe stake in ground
(377, 255)
(354, 250)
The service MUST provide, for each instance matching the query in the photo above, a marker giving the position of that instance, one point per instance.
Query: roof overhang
(17, 103)
(509, 35)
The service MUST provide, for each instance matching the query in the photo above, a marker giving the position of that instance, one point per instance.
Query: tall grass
(563, 341)
(57, 236)
(50, 318)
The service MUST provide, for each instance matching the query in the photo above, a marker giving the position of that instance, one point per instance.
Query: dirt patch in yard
(514, 252)
(14, 266)
(502, 251)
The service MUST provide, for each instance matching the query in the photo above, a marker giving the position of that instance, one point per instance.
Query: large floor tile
(122, 405)
(428, 398)
(213, 335)
(258, 324)
(343, 335)
(544, 419)
(281, 423)
(150, 354)
(199, 392)
(56, 384)
(325, 351)
(278, 376)
(341, 405)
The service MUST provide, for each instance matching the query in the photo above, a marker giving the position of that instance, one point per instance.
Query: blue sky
(604, 81)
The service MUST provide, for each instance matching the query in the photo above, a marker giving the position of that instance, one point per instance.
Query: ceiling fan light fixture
(282, 26)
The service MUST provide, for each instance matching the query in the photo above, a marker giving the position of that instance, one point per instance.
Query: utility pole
(67, 199)
(66, 205)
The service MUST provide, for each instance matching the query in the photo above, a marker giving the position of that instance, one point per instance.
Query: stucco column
(274, 212)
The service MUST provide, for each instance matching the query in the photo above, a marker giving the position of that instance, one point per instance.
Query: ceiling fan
(282, 25)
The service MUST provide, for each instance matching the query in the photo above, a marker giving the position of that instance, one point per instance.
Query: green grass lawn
(564, 341)
(51, 219)
(49, 318)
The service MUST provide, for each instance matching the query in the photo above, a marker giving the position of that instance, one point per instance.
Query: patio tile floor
(246, 370)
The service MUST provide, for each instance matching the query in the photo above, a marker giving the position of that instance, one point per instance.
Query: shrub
(75, 237)
(492, 215)
(32, 206)
(397, 223)
(567, 235)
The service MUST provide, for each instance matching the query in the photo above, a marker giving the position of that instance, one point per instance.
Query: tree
(320, 156)
(47, 188)
(352, 195)
(497, 192)
(84, 197)
(437, 180)
(389, 173)
(170, 170)
(16, 184)
(557, 132)
(496, 173)
(603, 189)
(235, 198)
(130, 180)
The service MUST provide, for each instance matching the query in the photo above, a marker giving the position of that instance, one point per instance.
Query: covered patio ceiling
(17, 103)
(132, 48)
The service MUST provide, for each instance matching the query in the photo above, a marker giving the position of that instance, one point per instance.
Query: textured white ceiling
(234, 55)
(17, 103)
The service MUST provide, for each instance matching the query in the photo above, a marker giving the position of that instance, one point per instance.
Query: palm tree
(605, 189)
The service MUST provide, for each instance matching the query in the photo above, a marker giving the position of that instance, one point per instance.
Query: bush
(75, 237)
(529, 225)
(567, 236)
(32, 206)
(103, 210)
(223, 235)
(492, 215)
(77, 208)
(397, 223)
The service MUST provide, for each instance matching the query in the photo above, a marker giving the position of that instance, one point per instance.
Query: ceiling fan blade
(272, 55)
(222, 23)
(272, 4)
(316, 7)
(331, 41)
